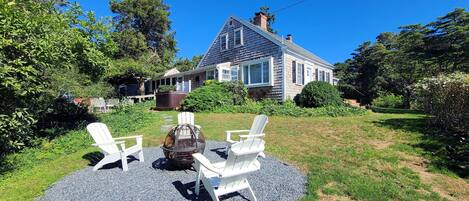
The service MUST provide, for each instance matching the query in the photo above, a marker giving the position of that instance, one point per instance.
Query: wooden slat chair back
(113, 150)
(231, 175)
(258, 125)
(101, 135)
(256, 131)
(186, 118)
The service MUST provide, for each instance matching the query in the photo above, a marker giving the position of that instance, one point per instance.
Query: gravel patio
(154, 180)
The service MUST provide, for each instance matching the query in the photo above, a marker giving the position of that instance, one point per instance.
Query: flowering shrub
(446, 98)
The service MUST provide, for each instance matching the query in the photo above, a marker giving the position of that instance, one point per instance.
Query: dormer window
(224, 42)
(238, 37)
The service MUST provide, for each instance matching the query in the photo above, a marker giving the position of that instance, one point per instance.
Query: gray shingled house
(269, 66)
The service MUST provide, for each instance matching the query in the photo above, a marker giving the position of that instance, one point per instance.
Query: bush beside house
(231, 97)
(319, 94)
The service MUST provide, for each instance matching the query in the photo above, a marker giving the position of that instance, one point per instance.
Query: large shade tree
(143, 34)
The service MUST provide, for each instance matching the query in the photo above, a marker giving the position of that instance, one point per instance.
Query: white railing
(184, 86)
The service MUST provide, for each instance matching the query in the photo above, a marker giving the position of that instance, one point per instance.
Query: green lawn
(370, 157)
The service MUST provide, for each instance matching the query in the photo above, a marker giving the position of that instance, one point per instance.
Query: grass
(360, 157)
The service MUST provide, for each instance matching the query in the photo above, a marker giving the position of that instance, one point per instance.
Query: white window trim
(241, 37)
(298, 66)
(207, 72)
(237, 72)
(270, 60)
(225, 36)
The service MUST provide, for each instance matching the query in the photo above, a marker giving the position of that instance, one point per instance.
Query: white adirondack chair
(113, 148)
(229, 176)
(256, 131)
(187, 118)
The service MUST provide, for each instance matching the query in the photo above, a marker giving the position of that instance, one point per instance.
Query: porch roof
(193, 71)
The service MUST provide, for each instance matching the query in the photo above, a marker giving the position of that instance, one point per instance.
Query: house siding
(292, 89)
(255, 46)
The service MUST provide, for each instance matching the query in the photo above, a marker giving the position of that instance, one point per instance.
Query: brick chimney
(261, 20)
(289, 38)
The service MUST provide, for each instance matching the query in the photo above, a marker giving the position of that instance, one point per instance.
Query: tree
(185, 64)
(270, 18)
(42, 45)
(394, 62)
(149, 18)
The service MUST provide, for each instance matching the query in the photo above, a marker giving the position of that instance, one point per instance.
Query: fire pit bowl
(181, 142)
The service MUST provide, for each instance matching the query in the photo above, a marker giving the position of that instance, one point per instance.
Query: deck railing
(184, 86)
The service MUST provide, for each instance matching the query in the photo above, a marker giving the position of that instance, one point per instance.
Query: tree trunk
(141, 86)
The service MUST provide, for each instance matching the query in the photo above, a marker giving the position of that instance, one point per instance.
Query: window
(173, 81)
(231, 23)
(158, 83)
(238, 37)
(197, 78)
(211, 75)
(162, 82)
(293, 67)
(224, 41)
(321, 76)
(317, 74)
(328, 77)
(257, 72)
(179, 80)
(234, 73)
(299, 73)
(225, 74)
(168, 81)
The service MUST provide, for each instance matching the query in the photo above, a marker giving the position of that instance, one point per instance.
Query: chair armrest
(252, 136)
(199, 158)
(138, 138)
(229, 132)
(198, 126)
(128, 137)
(108, 143)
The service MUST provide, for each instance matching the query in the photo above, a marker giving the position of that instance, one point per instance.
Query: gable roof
(275, 39)
(280, 41)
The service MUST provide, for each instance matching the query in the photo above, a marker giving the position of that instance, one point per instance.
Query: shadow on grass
(446, 150)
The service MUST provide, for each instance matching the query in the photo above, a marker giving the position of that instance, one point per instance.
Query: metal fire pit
(181, 142)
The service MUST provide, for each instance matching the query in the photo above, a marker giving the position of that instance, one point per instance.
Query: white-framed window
(234, 72)
(224, 42)
(258, 72)
(238, 37)
(322, 76)
(299, 73)
(225, 74)
(328, 77)
(211, 74)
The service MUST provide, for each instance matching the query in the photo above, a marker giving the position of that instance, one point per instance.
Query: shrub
(214, 95)
(166, 88)
(446, 98)
(318, 94)
(16, 131)
(389, 101)
(289, 108)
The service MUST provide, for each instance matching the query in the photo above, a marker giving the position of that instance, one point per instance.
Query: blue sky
(331, 29)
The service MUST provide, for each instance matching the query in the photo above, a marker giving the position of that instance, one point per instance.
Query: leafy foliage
(318, 94)
(147, 18)
(396, 61)
(166, 88)
(389, 101)
(288, 108)
(215, 94)
(446, 98)
(270, 18)
(187, 64)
